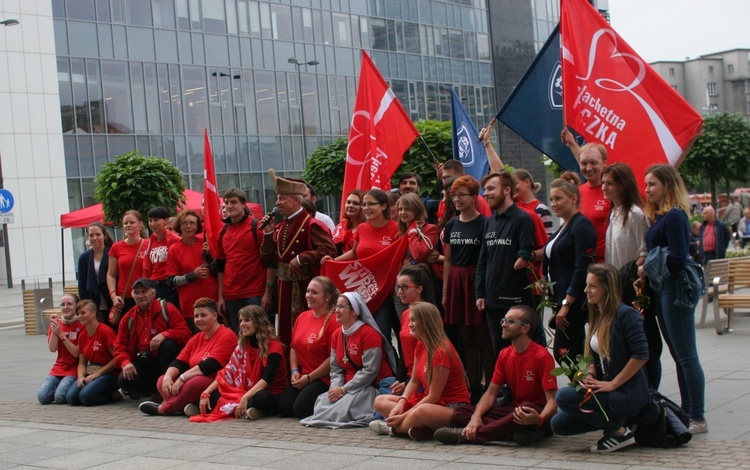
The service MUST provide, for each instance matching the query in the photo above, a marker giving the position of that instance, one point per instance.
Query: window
(710, 69)
(747, 86)
(730, 68)
(712, 89)
(671, 71)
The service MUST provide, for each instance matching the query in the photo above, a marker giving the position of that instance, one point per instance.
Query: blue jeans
(54, 388)
(678, 327)
(97, 392)
(570, 420)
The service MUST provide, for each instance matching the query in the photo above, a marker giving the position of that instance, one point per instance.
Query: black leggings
(299, 403)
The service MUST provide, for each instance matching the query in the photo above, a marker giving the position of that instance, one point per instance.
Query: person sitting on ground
(618, 344)
(361, 367)
(437, 385)
(310, 354)
(526, 367)
(250, 384)
(149, 338)
(205, 354)
(97, 373)
(62, 338)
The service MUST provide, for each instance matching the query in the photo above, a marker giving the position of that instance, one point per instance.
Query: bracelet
(309, 380)
(541, 421)
(182, 377)
(401, 398)
(488, 143)
(270, 284)
(63, 339)
(445, 290)
(112, 292)
(295, 370)
(205, 395)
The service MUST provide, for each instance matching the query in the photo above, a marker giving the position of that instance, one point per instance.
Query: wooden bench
(717, 275)
(738, 277)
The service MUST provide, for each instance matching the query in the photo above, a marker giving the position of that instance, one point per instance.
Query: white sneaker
(698, 427)
(378, 426)
(253, 414)
(191, 409)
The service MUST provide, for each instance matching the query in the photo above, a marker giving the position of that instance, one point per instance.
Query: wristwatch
(565, 302)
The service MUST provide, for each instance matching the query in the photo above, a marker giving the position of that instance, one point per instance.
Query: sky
(675, 29)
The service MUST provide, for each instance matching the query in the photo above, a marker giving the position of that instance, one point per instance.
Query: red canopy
(82, 218)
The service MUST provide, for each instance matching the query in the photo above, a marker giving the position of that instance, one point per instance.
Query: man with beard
(507, 249)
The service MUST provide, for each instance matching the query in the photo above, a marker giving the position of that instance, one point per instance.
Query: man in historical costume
(296, 245)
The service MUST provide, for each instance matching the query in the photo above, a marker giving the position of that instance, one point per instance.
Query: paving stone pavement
(60, 436)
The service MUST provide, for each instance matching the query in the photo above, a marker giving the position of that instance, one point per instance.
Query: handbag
(92, 368)
(115, 313)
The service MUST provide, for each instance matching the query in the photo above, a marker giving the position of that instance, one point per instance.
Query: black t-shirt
(465, 239)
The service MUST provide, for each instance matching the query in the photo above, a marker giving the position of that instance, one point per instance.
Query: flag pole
(487, 129)
(434, 158)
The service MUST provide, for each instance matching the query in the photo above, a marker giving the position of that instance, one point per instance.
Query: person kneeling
(437, 369)
(525, 367)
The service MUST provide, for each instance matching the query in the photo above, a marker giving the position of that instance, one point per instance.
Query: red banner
(380, 134)
(373, 278)
(212, 223)
(612, 96)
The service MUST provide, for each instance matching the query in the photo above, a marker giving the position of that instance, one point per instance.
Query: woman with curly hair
(343, 234)
(250, 384)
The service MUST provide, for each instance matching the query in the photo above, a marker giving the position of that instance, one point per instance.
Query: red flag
(212, 223)
(380, 134)
(614, 97)
(371, 277)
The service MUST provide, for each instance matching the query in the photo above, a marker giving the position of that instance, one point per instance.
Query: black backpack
(662, 424)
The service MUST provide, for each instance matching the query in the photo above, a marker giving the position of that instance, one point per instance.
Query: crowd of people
(456, 349)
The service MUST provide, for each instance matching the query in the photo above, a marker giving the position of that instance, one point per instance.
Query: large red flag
(373, 277)
(212, 223)
(380, 134)
(612, 96)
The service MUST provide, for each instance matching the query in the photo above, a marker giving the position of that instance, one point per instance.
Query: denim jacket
(689, 284)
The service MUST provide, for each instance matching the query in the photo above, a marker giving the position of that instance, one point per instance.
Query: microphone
(271, 215)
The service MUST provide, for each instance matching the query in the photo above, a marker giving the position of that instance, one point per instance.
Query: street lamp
(9, 22)
(299, 65)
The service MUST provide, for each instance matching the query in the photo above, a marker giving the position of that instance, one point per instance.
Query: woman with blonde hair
(310, 352)
(667, 207)
(526, 189)
(125, 265)
(618, 345)
(250, 384)
(62, 339)
(437, 384)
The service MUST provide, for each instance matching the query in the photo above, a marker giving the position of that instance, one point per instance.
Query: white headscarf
(365, 317)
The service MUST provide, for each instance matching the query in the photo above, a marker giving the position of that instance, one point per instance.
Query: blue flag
(466, 145)
(534, 110)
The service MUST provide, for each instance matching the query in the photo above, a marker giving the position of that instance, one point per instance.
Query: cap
(147, 283)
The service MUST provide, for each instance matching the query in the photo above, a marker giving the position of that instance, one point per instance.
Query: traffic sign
(7, 218)
(6, 201)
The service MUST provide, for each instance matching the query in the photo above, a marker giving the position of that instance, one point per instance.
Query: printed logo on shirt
(456, 239)
(73, 335)
(205, 356)
(386, 240)
(353, 350)
(312, 338)
(601, 205)
(492, 240)
(529, 375)
(97, 345)
(158, 254)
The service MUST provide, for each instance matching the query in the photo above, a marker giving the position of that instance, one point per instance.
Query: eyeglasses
(508, 321)
(342, 307)
(404, 287)
(459, 195)
(370, 204)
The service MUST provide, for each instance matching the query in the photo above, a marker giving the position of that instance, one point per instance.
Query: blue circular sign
(6, 201)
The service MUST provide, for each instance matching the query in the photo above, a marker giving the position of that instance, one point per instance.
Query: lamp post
(8, 271)
(9, 22)
(299, 65)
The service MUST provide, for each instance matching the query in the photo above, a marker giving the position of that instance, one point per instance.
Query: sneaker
(525, 437)
(116, 396)
(253, 413)
(613, 442)
(149, 408)
(191, 409)
(450, 436)
(378, 426)
(421, 433)
(698, 427)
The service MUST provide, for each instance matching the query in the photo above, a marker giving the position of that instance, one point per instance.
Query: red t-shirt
(281, 379)
(66, 363)
(98, 348)
(220, 347)
(527, 374)
(344, 235)
(311, 341)
(371, 240)
(408, 341)
(125, 255)
(456, 389)
(155, 262)
(183, 259)
(596, 209)
(244, 272)
(366, 337)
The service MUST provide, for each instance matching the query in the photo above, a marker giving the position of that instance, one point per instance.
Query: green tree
(135, 181)
(720, 154)
(325, 166)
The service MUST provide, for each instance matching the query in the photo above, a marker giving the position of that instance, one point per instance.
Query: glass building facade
(150, 75)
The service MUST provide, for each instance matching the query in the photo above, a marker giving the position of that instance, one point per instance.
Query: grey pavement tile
(27, 456)
(392, 463)
(9, 429)
(499, 460)
(463, 466)
(86, 442)
(347, 449)
(573, 465)
(289, 445)
(139, 463)
(192, 450)
(140, 445)
(318, 461)
(234, 441)
(78, 460)
(38, 437)
(214, 466)
(256, 456)
(424, 455)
